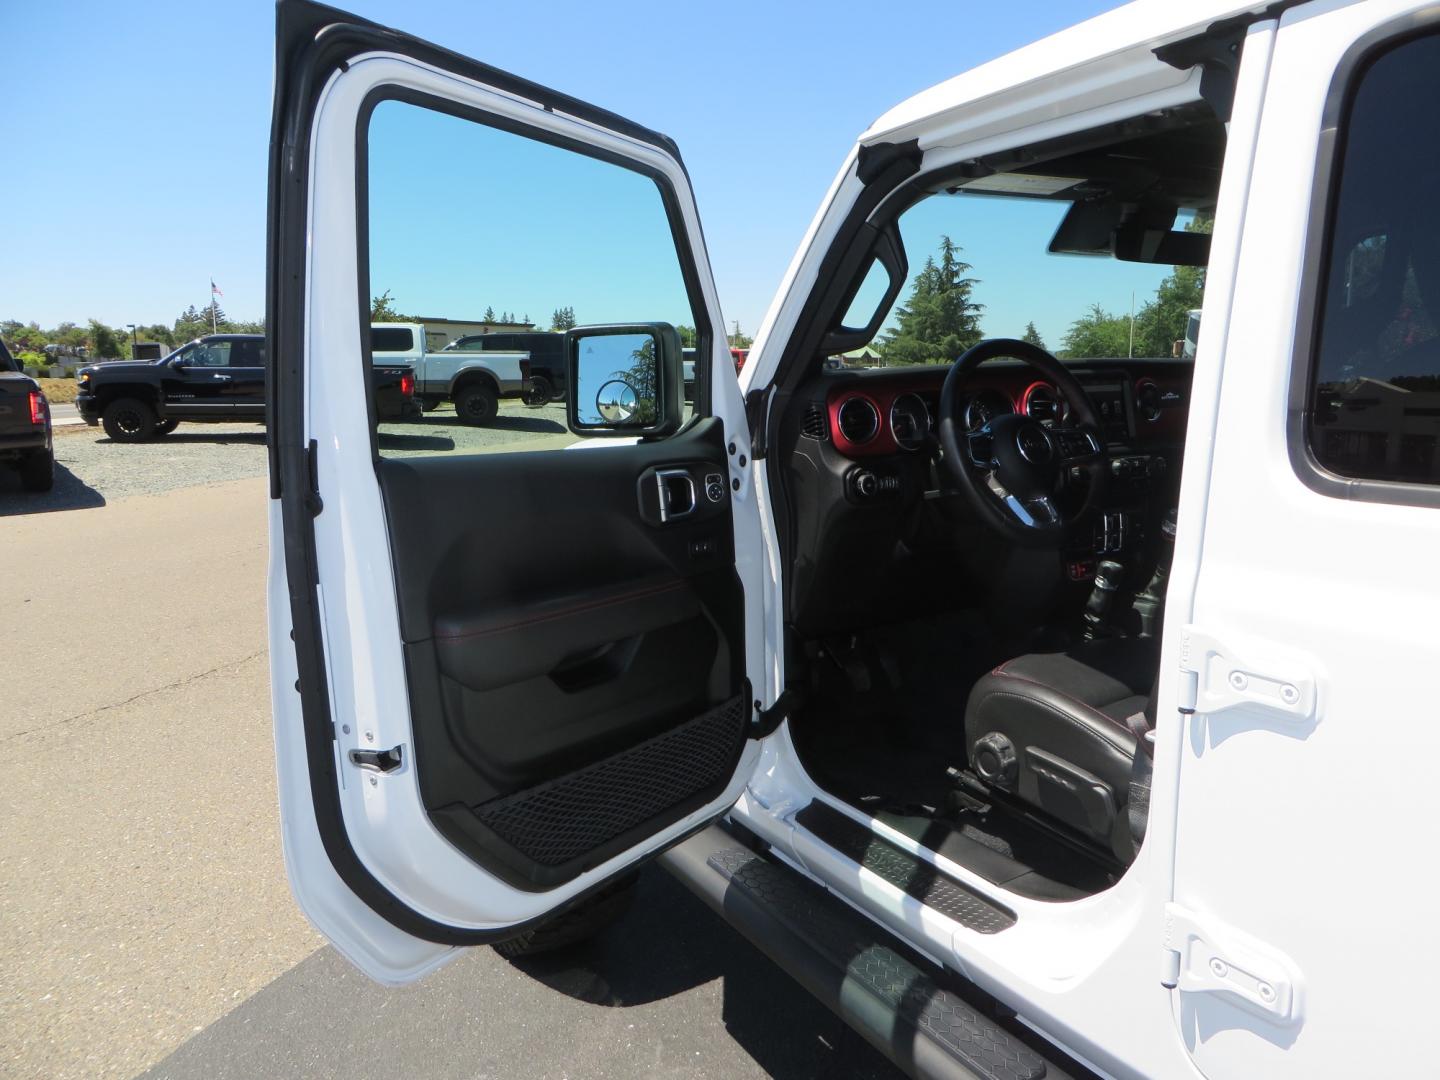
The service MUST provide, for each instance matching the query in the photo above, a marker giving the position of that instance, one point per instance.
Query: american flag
(214, 289)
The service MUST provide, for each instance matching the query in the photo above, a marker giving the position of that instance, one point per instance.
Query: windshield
(980, 268)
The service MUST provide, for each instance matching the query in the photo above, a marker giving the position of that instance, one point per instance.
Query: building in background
(440, 332)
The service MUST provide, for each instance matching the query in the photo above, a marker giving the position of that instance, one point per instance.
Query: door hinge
(1215, 678)
(1204, 956)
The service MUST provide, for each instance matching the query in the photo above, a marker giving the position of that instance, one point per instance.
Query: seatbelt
(1142, 726)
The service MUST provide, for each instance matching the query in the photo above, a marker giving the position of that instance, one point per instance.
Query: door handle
(676, 489)
(225, 378)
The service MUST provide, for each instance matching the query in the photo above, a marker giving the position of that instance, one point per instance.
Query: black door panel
(555, 628)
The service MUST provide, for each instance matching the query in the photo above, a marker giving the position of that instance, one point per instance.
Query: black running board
(930, 1023)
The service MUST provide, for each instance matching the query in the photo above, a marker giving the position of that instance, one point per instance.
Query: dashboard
(877, 530)
(881, 413)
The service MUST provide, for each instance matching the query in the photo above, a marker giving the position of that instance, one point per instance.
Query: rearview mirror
(625, 380)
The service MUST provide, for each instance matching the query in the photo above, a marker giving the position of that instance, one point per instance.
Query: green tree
(382, 309)
(940, 320)
(489, 315)
(24, 336)
(687, 336)
(641, 375)
(67, 333)
(104, 341)
(1031, 336)
(191, 323)
(563, 319)
(1097, 333)
(1161, 322)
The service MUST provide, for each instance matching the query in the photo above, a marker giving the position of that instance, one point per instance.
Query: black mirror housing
(626, 380)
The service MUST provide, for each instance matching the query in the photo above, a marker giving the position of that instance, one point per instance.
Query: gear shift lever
(1108, 575)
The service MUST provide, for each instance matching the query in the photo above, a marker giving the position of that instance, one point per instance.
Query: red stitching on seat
(1091, 709)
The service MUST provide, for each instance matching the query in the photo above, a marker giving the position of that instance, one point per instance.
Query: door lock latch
(383, 761)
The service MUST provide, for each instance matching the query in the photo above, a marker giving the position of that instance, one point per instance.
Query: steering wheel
(1014, 467)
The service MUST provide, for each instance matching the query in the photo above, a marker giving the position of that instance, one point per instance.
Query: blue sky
(138, 133)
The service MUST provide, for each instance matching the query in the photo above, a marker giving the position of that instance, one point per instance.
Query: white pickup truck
(475, 381)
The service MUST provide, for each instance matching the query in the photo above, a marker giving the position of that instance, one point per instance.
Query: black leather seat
(1060, 731)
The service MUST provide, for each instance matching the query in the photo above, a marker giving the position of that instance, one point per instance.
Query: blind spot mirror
(617, 402)
(626, 379)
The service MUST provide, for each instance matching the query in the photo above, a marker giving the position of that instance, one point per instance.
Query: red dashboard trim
(879, 444)
(1014, 385)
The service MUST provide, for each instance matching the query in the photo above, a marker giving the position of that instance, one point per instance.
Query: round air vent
(859, 419)
(1041, 402)
(909, 421)
(1147, 400)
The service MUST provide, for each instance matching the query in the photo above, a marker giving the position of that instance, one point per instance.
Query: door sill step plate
(910, 875)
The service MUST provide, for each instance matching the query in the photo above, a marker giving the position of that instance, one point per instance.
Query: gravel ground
(92, 470)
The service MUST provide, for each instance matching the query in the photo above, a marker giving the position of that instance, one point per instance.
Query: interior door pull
(676, 490)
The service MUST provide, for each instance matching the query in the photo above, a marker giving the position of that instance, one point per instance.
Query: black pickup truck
(219, 378)
(25, 426)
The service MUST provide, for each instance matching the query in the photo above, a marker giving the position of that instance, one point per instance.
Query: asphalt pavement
(148, 923)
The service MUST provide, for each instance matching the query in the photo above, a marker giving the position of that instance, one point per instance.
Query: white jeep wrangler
(1044, 717)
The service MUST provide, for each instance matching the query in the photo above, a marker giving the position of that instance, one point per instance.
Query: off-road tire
(128, 420)
(164, 427)
(476, 404)
(539, 393)
(577, 924)
(37, 470)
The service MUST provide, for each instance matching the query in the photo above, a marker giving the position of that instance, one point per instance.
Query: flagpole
(213, 326)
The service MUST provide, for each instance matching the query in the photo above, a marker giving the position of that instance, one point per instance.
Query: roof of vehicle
(1139, 27)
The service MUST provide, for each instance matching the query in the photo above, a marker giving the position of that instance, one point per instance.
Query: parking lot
(91, 472)
(148, 924)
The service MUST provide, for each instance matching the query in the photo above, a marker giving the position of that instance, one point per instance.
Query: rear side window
(247, 353)
(1373, 405)
(391, 339)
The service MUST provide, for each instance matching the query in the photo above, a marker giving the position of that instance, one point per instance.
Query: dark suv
(25, 426)
(547, 359)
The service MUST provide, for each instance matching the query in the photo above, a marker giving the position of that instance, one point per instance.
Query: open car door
(506, 668)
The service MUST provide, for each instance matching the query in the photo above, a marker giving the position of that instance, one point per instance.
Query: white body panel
(1249, 845)
(1299, 828)
(384, 815)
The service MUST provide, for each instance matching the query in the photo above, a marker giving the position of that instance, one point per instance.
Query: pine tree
(1032, 336)
(563, 319)
(489, 315)
(191, 324)
(940, 320)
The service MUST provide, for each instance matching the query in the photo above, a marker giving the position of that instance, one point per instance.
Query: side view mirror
(179, 362)
(625, 380)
